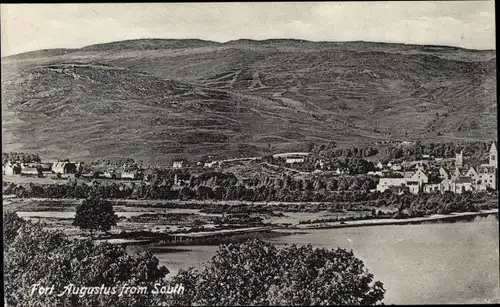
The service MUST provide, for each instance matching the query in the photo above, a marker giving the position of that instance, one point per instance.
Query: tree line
(212, 185)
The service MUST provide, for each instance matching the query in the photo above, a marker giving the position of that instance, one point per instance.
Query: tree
(258, 273)
(95, 214)
(33, 256)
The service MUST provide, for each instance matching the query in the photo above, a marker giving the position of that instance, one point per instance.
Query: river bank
(415, 220)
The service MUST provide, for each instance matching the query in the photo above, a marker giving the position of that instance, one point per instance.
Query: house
(461, 185)
(131, 173)
(65, 167)
(294, 159)
(471, 172)
(420, 177)
(433, 188)
(396, 167)
(379, 165)
(110, 173)
(210, 164)
(11, 168)
(178, 164)
(413, 186)
(29, 169)
(444, 174)
(387, 183)
(486, 178)
(377, 173)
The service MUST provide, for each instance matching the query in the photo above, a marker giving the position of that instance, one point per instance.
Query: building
(462, 184)
(133, 174)
(294, 159)
(110, 173)
(65, 167)
(493, 155)
(178, 164)
(486, 177)
(414, 181)
(29, 169)
(444, 174)
(210, 164)
(475, 178)
(387, 183)
(11, 168)
(459, 159)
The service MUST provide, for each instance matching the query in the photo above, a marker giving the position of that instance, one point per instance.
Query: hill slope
(155, 99)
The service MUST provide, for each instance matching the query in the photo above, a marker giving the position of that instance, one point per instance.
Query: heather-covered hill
(152, 99)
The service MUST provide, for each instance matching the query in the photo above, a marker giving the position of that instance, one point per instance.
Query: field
(156, 100)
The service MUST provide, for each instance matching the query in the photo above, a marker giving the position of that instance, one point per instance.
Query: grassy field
(154, 100)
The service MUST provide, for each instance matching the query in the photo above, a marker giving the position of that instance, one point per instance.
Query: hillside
(156, 99)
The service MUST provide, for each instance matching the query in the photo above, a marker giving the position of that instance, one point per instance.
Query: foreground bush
(33, 255)
(258, 273)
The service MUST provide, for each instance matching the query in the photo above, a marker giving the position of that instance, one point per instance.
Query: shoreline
(381, 222)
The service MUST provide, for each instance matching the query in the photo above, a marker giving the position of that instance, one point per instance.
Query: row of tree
(217, 186)
(20, 157)
(409, 152)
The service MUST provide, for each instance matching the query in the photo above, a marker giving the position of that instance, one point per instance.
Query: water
(418, 264)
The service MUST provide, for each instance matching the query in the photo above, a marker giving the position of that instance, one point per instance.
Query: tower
(459, 159)
(493, 155)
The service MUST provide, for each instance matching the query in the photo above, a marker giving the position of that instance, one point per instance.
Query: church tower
(459, 159)
(493, 155)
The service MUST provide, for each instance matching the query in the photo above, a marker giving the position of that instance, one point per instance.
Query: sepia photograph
(249, 153)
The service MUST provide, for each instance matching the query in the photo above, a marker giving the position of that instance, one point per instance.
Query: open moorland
(155, 99)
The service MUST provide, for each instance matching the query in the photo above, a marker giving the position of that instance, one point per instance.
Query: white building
(11, 168)
(413, 181)
(65, 167)
(294, 159)
(130, 173)
(211, 164)
(110, 173)
(178, 164)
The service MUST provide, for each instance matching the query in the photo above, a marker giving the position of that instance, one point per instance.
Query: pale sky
(26, 27)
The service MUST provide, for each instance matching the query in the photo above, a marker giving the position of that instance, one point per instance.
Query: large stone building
(413, 181)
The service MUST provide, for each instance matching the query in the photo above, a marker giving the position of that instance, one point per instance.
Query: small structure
(65, 167)
(29, 169)
(110, 173)
(294, 159)
(178, 164)
(211, 164)
(130, 173)
(11, 168)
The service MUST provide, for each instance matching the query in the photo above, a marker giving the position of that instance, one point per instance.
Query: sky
(467, 24)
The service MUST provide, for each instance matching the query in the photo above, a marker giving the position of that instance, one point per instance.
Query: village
(427, 175)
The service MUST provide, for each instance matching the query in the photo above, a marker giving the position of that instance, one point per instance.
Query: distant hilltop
(152, 99)
(158, 44)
